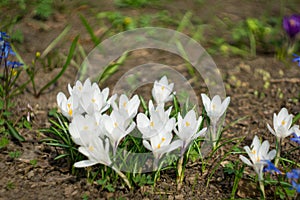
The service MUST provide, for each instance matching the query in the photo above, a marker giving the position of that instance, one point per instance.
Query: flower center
(91, 148)
(213, 106)
(292, 22)
(93, 100)
(115, 124)
(282, 122)
(152, 124)
(162, 88)
(187, 124)
(85, 128)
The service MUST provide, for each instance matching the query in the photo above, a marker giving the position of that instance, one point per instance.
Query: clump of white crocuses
(98, 124)
(282, 128)
(93, 130)
(259, 155)
(215, 110)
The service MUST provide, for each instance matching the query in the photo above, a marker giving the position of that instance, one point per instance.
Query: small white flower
(162, 91)
(282, 124)
(159, 121)
(95, 100)
(83, 125)
(296, 130)
(95, 150)
(188, 128)
(258, 155)
(215, 108)
(117, 127)
(69, 107)
(161, 144)
(130, 107)
(80, 89)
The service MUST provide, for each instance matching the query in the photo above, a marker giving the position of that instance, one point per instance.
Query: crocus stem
(213, 135)
(179, 173)
(123, 177)
(262, 188)
(155, 164)
(278, 152)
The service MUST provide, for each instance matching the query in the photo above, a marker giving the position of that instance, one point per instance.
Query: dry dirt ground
(244, 79)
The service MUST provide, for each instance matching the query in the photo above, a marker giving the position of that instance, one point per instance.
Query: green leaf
(14, 133)
(67, 63)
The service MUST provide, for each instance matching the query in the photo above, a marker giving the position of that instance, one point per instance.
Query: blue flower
(296, 59)
(271, 168)
(296, 186)
(14, 64)
(296, 138)
(294, 174)
(5, 51)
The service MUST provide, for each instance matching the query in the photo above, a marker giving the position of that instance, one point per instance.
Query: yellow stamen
(187, 124)
(124, 104)
(282, 122)
(213, 107)
(115, 124)
(158, 146)
(85, 128)
(253, 151)
(162, 87)
(70, 112)
(91, 148)
(152, 124)
(93, 100)
(69, 105)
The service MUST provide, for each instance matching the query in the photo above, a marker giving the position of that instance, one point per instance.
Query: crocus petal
(84, 163)
(246, 160)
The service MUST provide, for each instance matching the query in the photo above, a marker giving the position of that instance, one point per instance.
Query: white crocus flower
(90, 124)
(159, 121)
(161, 144)
(258, 155)
(79, 89)
(95, 150)
(162, 91)
(69, 107)
(130, 107)
(117, 126)
(215, 108)
(282, 124)
(188, 129)
(95, 100)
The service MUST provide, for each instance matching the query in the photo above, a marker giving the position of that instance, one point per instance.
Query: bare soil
(251, 103)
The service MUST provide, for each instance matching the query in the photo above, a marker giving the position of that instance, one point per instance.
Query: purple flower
(271, 168)
(291, 25)
(296, 59)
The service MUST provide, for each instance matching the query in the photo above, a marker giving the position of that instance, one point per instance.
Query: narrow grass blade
(14, 133)
(55, 41)
(69, 58)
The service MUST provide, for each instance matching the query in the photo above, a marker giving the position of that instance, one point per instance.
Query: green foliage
(44, 9)
(14, 154)
(60, 138)
(134, 3)
(31, 69)
(4, 141)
